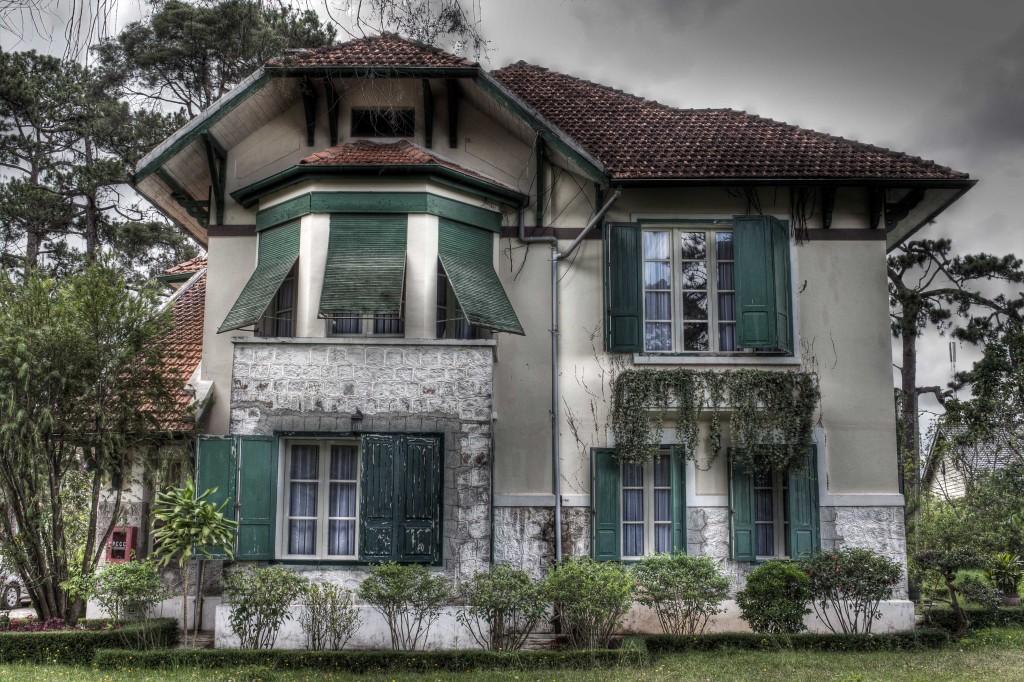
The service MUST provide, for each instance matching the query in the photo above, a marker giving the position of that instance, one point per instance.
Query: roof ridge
(369, 40)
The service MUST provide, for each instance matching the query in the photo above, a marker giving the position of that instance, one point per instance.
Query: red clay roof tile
(637, 138)
(400, 153)
(184, 350)
(382, 51)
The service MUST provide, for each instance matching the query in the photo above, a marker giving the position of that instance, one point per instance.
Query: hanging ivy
(771, 412)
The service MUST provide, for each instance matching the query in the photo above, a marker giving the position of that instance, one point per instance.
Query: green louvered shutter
(623, 288)
(377, 498)
(278, 251)
(257, 497)
(216, 468)
(605, 489)
(467, 254)
(742, 545)
(678, 499)
(419, 500)
(764, 318)
(802, 509)
(365, 270)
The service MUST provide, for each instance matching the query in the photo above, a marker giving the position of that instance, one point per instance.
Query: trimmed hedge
(1010, 617)
(79, 647)
(632, 653)
(896, 641)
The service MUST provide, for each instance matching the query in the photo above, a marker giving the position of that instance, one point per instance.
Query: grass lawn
(988, 655)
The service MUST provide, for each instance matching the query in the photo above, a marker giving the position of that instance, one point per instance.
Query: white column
(421, 277)
(312, 263)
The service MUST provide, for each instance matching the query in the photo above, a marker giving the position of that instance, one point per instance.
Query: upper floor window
(689, 290)
(709, 287)
(279, 318)
(383, 122)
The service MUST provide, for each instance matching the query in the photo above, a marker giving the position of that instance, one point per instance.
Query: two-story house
(422, 277)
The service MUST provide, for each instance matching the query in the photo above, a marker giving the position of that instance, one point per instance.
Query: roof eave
(550, 132)
(248, 196)
(372, 70)
(925, 183)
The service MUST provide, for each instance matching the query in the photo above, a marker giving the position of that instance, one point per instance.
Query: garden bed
(1006, 617)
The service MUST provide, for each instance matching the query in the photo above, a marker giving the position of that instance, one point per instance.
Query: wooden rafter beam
(428, 115)
(896, 212)
(197, 208)
(217, 160)
(333, 109)
(452, 86)
(876, 204)
(828, 205)
(309, 106)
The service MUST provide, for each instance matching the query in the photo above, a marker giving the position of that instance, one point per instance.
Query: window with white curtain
(647, 507)
(321, 499)
(689, 290)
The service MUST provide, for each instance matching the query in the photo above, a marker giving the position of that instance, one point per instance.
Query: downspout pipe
(556, 256)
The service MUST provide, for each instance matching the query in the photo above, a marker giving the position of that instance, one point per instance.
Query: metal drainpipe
(556, 455)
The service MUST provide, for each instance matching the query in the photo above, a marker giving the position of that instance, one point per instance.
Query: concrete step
(203, 640)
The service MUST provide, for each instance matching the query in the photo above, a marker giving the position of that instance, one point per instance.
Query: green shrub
(895, 641)
(847, 586)
(979, 618)
(259, 599)
(975, 591)
(590, 599)
(684, 591)
(129, 589)
(775, 598)
(329, 618)
(503, 606)
(375, 662)
(77, 647)
(251, 673)
(409, 597)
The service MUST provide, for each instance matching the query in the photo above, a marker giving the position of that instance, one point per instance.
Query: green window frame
(783, 505)
(277, 255)
(665, 293)
(399, 495)
(619, 490)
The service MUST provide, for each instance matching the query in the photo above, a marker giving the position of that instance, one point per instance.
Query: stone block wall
(430, 387)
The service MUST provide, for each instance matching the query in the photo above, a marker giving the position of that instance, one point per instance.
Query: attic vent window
(389, 122)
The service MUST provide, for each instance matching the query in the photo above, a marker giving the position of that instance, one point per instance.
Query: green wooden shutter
(742, 545)
(802, 508)
(377, 498)
(216, 468)
(278, 251)
(257, 497)
(678, 499)
(467, 254)
(419, 500)
(605, 490)
(764, 318)
(623, 288)
(365, 270)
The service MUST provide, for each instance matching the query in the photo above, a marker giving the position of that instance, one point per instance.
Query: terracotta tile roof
(382, 51)
(401, 153)
(637, 138)
(184, 350)
(189, 266)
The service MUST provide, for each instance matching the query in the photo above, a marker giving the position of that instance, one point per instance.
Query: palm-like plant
(190, 527)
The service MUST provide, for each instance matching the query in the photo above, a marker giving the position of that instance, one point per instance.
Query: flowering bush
(503, 606)
(410, 597)
(848, 585)
(33, 625)
(260, 600)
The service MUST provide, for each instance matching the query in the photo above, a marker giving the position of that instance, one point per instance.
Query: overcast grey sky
(941, 79)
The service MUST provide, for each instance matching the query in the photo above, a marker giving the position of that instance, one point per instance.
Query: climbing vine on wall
(771, 413)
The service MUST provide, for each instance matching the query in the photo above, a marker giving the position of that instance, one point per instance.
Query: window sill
(737, 359)
(364, 341)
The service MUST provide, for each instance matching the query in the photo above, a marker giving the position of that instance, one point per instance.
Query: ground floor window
(358, 498)
(638, 508)
(773, 514)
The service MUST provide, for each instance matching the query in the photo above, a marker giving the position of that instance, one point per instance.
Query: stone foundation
(880, 529)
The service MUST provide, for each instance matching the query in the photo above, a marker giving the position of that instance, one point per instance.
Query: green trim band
(247, 196)
(378, 202)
